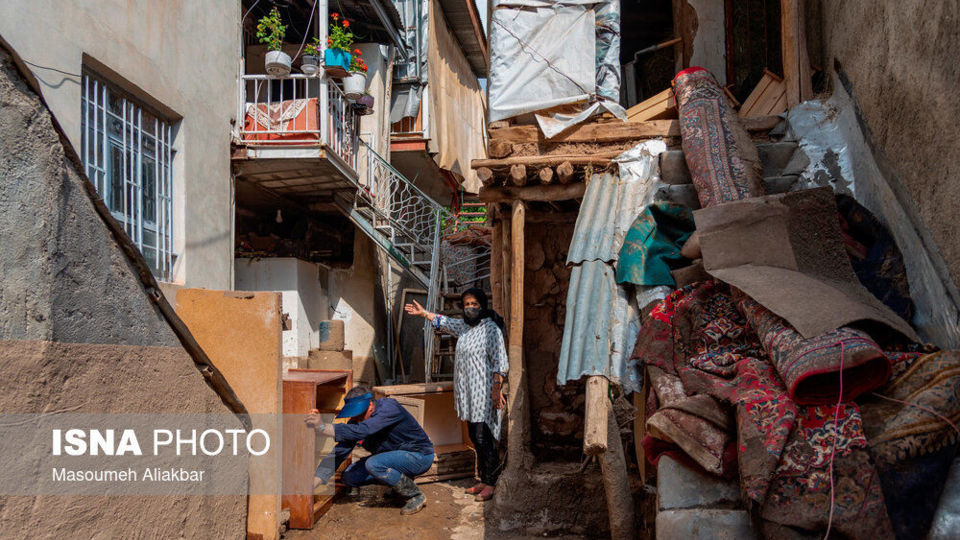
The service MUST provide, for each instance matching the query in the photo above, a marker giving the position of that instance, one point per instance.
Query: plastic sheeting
(829, 132)
(545, 55)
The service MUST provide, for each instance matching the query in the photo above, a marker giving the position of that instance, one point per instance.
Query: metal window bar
(130, 205)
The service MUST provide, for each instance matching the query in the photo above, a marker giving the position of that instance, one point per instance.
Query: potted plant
(310, 61)
(270, 30)
(336, 58)
(356, 83)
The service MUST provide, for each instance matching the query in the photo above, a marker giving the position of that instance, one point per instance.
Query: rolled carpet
(722, 159)
(811, 367)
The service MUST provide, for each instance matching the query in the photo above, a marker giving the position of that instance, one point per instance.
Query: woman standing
(480, 366)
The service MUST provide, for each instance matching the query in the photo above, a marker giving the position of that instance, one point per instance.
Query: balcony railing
(298, 110)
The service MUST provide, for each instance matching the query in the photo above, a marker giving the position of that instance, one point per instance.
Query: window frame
(112, 122)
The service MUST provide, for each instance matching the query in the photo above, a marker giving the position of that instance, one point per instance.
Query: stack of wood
(769, 97)
(524, 165)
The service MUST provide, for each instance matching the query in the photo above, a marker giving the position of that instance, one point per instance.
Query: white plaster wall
(709, 43)
(183, 54)
(302, 297)
(351, 297)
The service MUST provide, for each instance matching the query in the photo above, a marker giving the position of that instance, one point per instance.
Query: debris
(658, 107)
(768, 97)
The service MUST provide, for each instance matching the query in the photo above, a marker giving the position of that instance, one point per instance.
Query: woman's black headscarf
(485, 311)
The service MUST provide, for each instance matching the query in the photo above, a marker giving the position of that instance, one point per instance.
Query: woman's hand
(499, 400)
(417, 310)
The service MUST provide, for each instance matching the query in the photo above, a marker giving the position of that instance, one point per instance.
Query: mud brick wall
(556, 411)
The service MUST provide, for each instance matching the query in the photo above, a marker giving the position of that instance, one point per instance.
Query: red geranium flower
(346, 23)
(357, 52)
(335, 16)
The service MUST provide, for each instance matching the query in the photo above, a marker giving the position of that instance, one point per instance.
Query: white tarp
(540, 58)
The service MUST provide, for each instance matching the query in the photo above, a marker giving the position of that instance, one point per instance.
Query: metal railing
(298, 109)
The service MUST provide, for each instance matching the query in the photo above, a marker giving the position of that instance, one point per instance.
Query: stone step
(318, 359)
(686, 194)
(704, 524)
(778, 159)
(680, 487)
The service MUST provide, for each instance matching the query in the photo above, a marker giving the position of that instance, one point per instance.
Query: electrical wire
(51, 69)
(307, 33)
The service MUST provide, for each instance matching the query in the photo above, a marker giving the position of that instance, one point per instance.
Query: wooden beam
(497, 148)
(519, 418)
(545, 175)
(486, 176)
(565, 172)
(553, 192)
(595, 416)
(793, 46)
(616, 482)
(608, 132)
(518, 174)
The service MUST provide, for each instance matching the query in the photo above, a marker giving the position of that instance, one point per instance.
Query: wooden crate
(769, 97)
(658, 107)
(303, 447)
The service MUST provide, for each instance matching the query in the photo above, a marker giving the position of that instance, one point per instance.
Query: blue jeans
(386, 468)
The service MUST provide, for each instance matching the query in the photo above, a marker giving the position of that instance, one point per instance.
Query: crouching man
(400, 449)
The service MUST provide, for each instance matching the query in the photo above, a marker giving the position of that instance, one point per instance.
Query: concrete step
(680, 487)
(778, 159)
(331, 335)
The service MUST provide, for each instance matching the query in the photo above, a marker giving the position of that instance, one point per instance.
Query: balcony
(296, 136)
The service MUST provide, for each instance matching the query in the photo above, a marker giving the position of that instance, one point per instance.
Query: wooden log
(616, 483)
(565, 172)
(518, 174)
(595, 417)
(518, 417)
(609, 132)
(498, 148)
(546, 175)
(601, 159)
(553, 192)
(485, 175)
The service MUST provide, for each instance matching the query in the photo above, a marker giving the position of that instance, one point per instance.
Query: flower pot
(336, 62)
(277, 63)
(355, 84)
(309, 64)
(366, 100)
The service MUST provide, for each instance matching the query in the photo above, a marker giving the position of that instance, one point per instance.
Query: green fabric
(652, 245)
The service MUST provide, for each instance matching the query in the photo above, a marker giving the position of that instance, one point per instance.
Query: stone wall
(556, 411)
(79, 334)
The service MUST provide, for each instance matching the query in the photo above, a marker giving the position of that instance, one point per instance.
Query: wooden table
(303, 448)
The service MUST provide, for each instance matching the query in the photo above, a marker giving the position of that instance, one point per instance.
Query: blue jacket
(390, 427)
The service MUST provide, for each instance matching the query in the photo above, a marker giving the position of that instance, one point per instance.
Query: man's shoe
(485, 495)
(416, 500)
(477, 488)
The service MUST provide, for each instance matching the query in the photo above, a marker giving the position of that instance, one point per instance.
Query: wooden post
(616, 483)
(565, 172)
(595, 418)
(496, 261)
(546, 175)
(793, 46)
(518, 174)
(519, 418)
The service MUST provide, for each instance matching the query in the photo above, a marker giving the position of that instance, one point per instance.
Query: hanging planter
(310, 61)
(355, 84)
(336, 58)
(366, 100)
(270, 30)
(336, 62)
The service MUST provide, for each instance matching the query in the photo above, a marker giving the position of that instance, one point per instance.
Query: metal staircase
(408, 226)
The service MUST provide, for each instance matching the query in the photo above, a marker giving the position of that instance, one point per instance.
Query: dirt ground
(450, 514)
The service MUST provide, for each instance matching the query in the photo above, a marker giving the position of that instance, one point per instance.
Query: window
(127, 155)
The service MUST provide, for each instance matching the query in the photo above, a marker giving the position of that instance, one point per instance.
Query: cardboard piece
(786, 252)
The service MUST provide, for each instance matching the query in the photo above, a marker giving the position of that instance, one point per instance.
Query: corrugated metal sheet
(613, 201)
(602, 320)
(600, 329)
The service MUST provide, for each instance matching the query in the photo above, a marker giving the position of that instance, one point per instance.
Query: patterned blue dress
(480, 354)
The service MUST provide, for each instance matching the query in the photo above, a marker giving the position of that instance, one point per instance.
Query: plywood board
(658, 107)
(767, 98)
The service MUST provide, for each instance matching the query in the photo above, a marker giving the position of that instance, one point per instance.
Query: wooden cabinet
(303, 448)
